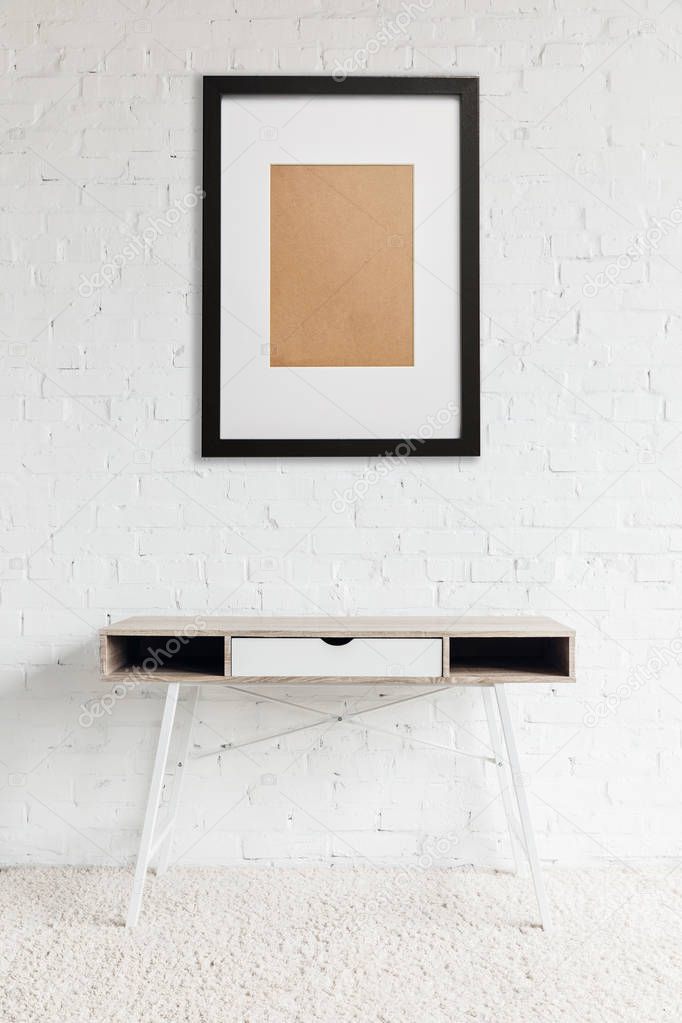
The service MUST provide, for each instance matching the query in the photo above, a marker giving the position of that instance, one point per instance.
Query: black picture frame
(466, 89)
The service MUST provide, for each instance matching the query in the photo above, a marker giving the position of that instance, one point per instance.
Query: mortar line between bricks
(73, 827)
(462, 728)
(578, 397)
(379, 830)
(230, 594)
(582, 831)
(76, 399)
(310, 533)
(195, 415)
(215, 515)
(78, 511)
(427, 483)
(584, 511)
(76, 85)
(51, 753)
(557, 751)
(181, 60)
(328, 829)
(595, 625)
(84, 190)
(252, 762)
(246, 794)
(582, 82)
(500, 110)
(70, 610)
(589, 191)
(174, 861)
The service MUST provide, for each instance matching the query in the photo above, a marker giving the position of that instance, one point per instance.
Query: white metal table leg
(498, 751)
(152, 813)
(189, 711)
(522, 803)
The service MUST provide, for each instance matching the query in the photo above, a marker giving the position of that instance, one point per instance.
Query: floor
(262, 945)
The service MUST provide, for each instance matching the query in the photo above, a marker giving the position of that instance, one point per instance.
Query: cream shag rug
(334, 945)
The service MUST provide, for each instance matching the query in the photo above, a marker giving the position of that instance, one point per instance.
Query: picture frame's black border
(466, 89)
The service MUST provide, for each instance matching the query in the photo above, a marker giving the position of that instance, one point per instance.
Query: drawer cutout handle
(336, 640)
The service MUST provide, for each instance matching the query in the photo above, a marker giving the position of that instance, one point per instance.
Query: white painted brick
(527, 527)
(254, 59)
(454, 542)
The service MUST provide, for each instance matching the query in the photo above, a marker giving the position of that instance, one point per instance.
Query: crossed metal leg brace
(503, 747)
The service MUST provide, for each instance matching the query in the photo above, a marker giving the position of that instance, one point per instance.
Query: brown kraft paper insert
(341, 267)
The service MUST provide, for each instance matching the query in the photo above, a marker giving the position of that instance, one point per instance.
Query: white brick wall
(574, 508)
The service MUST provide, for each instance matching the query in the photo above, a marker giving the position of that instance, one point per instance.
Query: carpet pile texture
(335, 945)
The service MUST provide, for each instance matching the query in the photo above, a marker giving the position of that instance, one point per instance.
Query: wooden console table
(437, 653)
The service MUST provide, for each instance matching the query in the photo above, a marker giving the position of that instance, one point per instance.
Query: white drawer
(288, 657)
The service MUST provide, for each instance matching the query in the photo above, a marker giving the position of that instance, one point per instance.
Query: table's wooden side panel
(571, 657)
(111, 654)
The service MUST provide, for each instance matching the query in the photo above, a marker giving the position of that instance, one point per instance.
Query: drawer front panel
(289, 657)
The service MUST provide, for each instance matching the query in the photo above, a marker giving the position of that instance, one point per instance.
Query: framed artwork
(340, 267)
